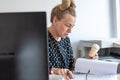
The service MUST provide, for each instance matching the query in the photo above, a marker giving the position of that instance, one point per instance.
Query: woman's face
(64, 26)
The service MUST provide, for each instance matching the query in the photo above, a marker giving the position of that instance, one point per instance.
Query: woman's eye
(68, 25)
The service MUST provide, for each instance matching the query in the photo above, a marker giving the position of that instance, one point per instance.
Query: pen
(87, 73)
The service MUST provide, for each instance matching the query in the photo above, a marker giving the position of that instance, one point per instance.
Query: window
(117, 17)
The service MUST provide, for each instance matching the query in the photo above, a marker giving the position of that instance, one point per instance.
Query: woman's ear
(55, 20)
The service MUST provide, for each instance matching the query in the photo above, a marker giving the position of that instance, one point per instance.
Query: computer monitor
(24, 36)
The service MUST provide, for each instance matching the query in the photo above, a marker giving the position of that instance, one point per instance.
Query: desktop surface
(89, 77)
(96, 77)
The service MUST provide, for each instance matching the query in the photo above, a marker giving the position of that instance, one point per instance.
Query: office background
(96, 19)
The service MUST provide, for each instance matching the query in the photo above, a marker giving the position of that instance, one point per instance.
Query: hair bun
(73, 4)
(66, 4)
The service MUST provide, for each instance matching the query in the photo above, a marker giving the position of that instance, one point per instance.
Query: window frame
(116, 11)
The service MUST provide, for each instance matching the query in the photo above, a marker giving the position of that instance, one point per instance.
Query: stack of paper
(96, 66)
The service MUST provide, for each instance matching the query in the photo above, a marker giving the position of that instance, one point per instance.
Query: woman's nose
(69, 30)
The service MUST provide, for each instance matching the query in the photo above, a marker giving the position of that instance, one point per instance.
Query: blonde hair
(66, 7)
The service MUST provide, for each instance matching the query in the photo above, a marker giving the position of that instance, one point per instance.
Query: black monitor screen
(24, 36)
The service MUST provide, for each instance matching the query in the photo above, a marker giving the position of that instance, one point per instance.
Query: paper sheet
(96, 66)
(94, 77)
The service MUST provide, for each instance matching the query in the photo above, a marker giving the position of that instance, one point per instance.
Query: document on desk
(96, 66)
(94, 77)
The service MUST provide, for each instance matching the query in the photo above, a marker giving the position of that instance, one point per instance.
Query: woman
(63, 18)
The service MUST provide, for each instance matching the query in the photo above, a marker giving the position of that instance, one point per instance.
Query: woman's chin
(64, 36)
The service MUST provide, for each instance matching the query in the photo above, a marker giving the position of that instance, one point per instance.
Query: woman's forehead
(69, 18)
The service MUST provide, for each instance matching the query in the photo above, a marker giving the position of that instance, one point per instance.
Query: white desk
(96, 77)
(89, 77)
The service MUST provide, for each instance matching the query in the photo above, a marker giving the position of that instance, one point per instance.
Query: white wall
(93, 21)
(93, 17)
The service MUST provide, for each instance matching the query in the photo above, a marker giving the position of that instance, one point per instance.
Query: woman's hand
(96, 57)
(66, 73)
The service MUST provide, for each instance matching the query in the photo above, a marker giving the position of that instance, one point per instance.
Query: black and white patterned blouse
(60, 53)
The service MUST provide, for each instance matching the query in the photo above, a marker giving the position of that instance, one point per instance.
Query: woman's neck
(54, 33)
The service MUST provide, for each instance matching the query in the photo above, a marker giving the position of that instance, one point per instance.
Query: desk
(96, 77)
(89, 77)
